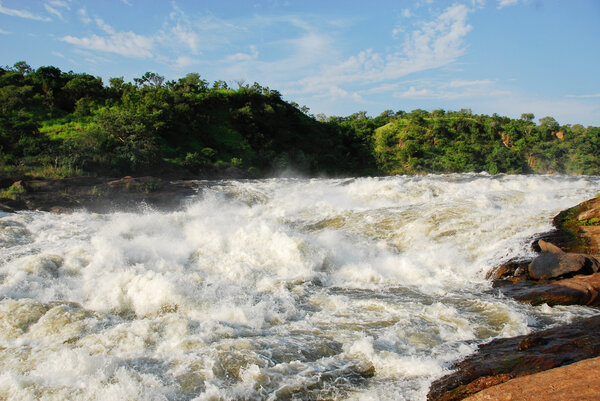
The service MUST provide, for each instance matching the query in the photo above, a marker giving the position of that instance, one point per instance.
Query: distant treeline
(55, 123)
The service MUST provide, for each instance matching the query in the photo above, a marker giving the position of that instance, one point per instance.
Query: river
(343, 289)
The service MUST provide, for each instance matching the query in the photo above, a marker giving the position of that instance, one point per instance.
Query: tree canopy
(72, 121)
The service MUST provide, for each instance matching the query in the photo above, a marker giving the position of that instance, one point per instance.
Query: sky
(337, 57)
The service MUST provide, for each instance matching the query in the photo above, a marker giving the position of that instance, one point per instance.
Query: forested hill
(55, 123)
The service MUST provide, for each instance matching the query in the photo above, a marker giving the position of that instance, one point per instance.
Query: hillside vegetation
(56, 124)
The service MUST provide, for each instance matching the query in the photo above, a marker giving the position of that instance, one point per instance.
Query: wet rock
(551, 265)
(504, 359)
(570, 382)
(100, 195)
(514, 270)
(578, 290)
(11, 205)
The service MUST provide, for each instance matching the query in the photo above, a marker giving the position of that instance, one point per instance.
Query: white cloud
(588, 96)
(457, 89)
(53, 7)
(238, 57)
(3, 32)
(297, 56)
(504, 3)
(60, 4)
(21, 13)
(412, 93)
(83, 15)
(53, 10)
(57, 54)
(434, 44)
(127, 44)
(358, 98)
(105, 27)
(406, 13)
(571, 111)
(186, 36)
(183, 62)
(461, 83)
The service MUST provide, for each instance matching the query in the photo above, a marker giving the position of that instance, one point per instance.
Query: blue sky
(335, 56)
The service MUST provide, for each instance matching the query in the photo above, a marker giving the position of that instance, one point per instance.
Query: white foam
(266, 287)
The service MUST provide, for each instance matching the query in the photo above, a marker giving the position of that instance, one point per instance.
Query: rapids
(345, 289)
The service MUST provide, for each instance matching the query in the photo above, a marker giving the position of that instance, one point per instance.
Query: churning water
(344, 289)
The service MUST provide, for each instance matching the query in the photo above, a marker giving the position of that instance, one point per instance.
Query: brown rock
(548, 247)
(581, 238)
(578, 290)
(550, 265)
(589, 214)
(577, 381)
(512, 268)
(504, 359)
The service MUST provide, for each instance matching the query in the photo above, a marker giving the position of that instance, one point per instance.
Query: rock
(561, 238)
(100, 194)
(578, 290)
(5, 183)
(548, 247)
(582, 231)
(504, 359)
(589, 214)
(514, 268)
(570, 382)
(551, 265)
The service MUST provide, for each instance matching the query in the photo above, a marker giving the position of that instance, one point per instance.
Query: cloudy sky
(335, 56)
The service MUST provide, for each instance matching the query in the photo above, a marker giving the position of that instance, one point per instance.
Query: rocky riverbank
(94, 194)
(565, 272)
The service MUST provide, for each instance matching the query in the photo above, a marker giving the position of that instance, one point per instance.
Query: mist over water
(346, 289)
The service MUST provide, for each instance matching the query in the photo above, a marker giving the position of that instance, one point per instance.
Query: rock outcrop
(507, 358)
(572, 382)
(98, 194)
(566, 272)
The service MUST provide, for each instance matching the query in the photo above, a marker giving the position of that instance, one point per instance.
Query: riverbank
(565, 272)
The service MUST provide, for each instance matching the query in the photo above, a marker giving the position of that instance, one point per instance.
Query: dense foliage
(72, 124)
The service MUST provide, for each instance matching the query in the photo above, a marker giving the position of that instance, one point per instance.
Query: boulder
(550, 265)
(514, 270)
(548, 247)
(507, 358)
(578, 290)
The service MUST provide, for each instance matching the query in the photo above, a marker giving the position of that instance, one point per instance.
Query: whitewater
(275, 289)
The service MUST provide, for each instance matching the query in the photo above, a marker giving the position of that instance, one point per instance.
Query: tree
(549, 123)
(528, 117)
(22, 67)
(150, 79)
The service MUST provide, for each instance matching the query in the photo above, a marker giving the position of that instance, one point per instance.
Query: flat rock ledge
(566, 271)
(572, 382)
(97, 194)
(504, 359)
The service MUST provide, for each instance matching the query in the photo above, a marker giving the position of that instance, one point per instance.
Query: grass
(13, 192)
(58, 130)
(44, 171)
(595, 221)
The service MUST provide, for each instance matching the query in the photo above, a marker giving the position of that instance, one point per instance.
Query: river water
(343, 289)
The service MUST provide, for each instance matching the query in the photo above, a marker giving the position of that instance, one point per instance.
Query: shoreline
(566, 271)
